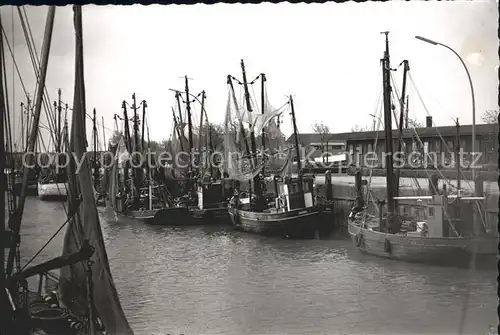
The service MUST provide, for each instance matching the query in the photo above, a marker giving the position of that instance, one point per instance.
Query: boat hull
(298, 223)
(210, 215)
(174, 216)
(452, 251)
(162, 217)
(52, 191)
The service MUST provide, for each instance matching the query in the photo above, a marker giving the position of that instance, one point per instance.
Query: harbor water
(212, 280)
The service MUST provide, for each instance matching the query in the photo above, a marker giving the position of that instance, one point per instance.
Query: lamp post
(375, 117)
(472, 94)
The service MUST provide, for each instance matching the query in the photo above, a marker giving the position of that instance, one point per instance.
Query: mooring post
(328, 185)
(478, 185)
(358, 184)
(479, 192)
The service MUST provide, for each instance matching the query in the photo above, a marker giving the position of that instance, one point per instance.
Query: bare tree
(324, 131)
(357, 128)
(412, 123)
(490, 116)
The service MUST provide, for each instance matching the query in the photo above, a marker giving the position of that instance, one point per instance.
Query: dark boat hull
(298, 223)
(449, 251)
(174, 216)
(210, 215)
(32, 189)
(141, 215)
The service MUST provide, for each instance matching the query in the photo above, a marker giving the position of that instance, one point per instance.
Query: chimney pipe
(428, 121)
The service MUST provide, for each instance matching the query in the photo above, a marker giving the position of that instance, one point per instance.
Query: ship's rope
(48, 107)
(478, 205)
(397, 98)
(437, 130)
(11, 50)
(378, 109)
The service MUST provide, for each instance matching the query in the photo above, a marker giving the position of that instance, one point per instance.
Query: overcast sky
(326, 55)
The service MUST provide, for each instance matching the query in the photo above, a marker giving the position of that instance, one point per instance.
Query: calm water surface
(215, 281)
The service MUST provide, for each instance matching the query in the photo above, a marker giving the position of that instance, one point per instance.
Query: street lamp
(472, 94)
(375, 117)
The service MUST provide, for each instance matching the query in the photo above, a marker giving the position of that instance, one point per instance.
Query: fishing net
(239, 162)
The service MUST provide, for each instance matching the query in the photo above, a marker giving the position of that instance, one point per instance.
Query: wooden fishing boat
(212, 204)
(290, 211)
(431, 228)
(83, 298)
(150, 201)
(422, 245)
(286, 216)
(202, 195)
(51, 186)
(53, 181)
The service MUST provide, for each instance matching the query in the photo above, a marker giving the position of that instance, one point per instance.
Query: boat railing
(430, 197)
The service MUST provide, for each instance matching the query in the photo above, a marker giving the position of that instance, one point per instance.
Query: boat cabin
(438, 215)
(289, 197)
(211, 194)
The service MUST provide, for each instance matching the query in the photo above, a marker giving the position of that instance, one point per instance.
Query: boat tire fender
(359, 239)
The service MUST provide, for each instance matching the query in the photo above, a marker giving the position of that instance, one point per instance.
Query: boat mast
(176, 126)
(95, 166)
(256, 179)
(178, 98)
(297, 150)
(263, 104)
(22, 126)
(58, 108)
(406, 67)
(15, 220)
(190, 128)
(3, 178)
(144, 105)
(242, 128)
(28, 122)
(94, 134)
(250, 110)
(137, 172)
(388, 132)
(127, 143)
(201, 125)
(406, 112)
(263, 107)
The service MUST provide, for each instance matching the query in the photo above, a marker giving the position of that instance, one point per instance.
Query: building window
(431, 211)
(449, 147)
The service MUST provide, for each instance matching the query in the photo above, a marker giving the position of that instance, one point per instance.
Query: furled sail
(85, 225)
(112, 171)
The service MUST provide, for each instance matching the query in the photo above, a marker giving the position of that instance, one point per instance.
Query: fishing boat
(52, 180)
(429, 228)
(290, 211)
(196, 192)
(16, 164)
(82, 299)
(52, 185)
(131, 195)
